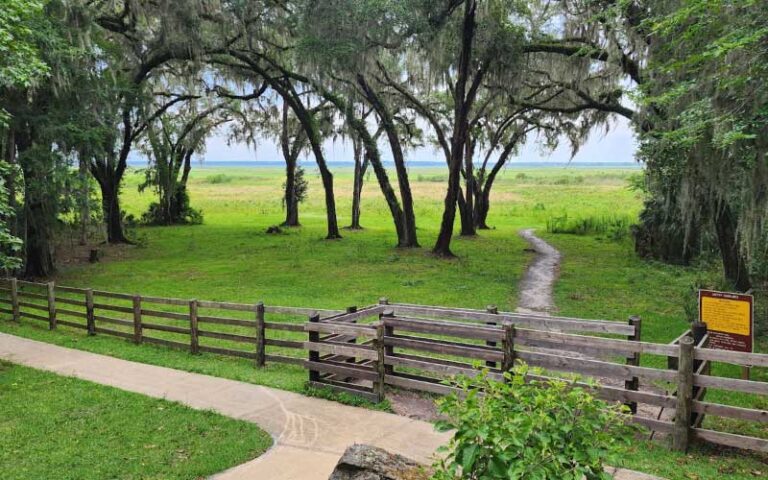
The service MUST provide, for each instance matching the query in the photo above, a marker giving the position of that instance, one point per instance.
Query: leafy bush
(218, 178)
(522, 429)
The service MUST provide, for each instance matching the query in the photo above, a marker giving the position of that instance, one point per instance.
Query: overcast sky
(618, 145)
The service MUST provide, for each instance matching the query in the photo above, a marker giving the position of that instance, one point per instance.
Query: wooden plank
(108, 331)
(537, 321)
(350, 389)
(239, 307)
(80, 291)
(430, 366)
(73, 313)
(594, 367)
(287, 327)
(33, 316)
(113, 321)
(33, 295)
(164, 328)
(227, 336)
(227, 351)
(71, 301)
(6, 300)
(342, 368)
(339, 349)
(443, 328)
(121, 296)
(73, 324)
(284, 359)
(731, 440)
(736, 358)
(445, 347)
(732, 384)
(27, 283)
(300, 311)
(273, 342)
(730, 411)
(165, 301)
(350, 317)
(335, 328)
(228, 321)
(165, 343)
(113, 308)
(402, 381)
(161, 314)
(35, 306)
(653, 424)
(9, 311)
(611, 345)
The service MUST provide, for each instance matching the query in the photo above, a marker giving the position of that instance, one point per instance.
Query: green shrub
(529, 430)
(615, 227)
(218, 178)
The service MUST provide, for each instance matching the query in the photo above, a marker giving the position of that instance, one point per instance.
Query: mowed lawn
(231, 258)
(54, 427)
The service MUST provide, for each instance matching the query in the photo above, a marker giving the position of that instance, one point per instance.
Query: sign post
(730, 321)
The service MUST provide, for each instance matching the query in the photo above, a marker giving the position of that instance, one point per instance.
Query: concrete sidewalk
(310, 434)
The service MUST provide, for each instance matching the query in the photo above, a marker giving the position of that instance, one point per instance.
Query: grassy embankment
(64, 428)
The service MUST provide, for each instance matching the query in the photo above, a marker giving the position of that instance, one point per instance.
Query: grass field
(231, 258)
(64, 428)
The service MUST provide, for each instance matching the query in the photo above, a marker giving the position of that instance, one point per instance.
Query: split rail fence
(366, 351)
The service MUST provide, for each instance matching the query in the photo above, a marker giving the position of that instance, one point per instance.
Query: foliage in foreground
(529, 429)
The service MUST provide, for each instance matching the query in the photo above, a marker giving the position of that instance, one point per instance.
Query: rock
(363, 462)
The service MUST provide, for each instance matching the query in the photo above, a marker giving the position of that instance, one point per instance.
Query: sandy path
(539, 280)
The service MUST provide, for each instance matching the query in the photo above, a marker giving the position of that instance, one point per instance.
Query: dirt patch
(72, 253)
(413, 405)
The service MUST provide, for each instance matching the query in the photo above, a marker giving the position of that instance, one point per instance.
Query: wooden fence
(421, 347)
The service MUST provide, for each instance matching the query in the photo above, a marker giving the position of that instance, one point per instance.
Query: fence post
(508, 346)
(51, 306)
(388, 331)
(194, 341)
(261, 336)
(381, 373)
(137, 334)
(90, 318)
(494, 310)
(634, 360)
(383, 301)
(15, 300)
(681, 436)
(314, 356)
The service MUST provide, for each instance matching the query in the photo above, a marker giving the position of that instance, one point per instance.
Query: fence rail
(418, 347)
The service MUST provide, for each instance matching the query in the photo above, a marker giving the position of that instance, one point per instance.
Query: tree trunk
(483, 190)
(462, 107)
(110, 203)
(289, 196)
(734, 263)
(372, 156)
(357, 184)
(409, 238)
(308, 123)
(291, 202)
(468, 211)
(38, 238)
(10, 182)
(85, 192)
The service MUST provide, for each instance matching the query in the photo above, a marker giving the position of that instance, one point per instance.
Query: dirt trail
(539, 280)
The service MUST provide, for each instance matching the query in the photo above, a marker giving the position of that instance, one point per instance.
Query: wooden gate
(345, 355)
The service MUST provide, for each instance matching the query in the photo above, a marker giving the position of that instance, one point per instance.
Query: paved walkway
(310, 434)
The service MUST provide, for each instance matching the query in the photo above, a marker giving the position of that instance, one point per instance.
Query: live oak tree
(172, 140)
